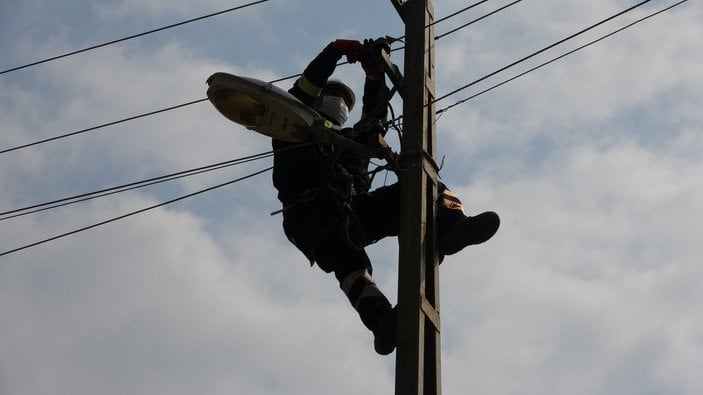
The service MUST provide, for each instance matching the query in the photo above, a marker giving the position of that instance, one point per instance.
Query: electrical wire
(132, 36)
(131, 118)
(476, 20)
(280, 79)
(541, 51)
(443, 110)
(456, 13)
(296, 75)
(205, 99)
(129, 186)
(435, 101)
(439, 112)
(439, 37)
(24, 247)
(200, 170)
(101, 126)
(141, 184)
(446, 17)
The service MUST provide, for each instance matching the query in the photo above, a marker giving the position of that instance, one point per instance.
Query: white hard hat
(341, 89)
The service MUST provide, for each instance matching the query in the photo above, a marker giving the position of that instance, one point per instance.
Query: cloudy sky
(592, 285)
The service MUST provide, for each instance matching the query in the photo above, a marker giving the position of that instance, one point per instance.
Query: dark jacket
(300, 173)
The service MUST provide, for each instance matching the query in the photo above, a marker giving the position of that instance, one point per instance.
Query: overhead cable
(560, 57)
(541, 51)
(102, 126)
(133, 36)
(296, 75)
(205, 99)
(476, 20)
(439, 37)
(265, 170)
(129, 186)
(24, 247)
(131, 118)
(447, 17)
(456, 13)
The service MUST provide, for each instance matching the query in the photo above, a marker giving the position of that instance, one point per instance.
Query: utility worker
(329, 212)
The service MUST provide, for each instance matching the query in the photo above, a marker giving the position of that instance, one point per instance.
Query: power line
(561, 56)
(456, 13)
(181, 24)
(93, 128)
(446, 17)
(133, 213)
(132, 185)
(131, 118)
(259, 156)
(476, 20)
(272, 82)
(397, 119)
(132, 36)
(296, 75)
(462, 26)
(102, 126)
(541, 51)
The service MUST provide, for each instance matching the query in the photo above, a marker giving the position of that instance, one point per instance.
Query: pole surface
(418, 355)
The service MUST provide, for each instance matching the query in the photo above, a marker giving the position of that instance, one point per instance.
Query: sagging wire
(24, 247)
(69, 134)
(476, 20)
(140, 184)
(391, 40)
(443, 110)
(542, 50)
(93, 128)
(131, 37)
(127, 187)
(456, 13)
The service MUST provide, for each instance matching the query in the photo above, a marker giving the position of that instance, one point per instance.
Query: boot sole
(473, 230)
(385, 342)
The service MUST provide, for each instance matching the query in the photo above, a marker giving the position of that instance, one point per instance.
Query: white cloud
(150, 305)
(589, 287)
(634, 69)
(577, 292)
(161, 9)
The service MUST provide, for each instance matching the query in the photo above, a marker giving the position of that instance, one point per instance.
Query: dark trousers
(334, 237)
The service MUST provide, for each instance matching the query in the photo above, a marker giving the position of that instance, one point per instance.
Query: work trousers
(334, 235)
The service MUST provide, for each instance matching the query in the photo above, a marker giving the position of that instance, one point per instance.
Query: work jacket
(319, 171)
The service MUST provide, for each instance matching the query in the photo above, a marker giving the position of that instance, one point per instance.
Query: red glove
(351, 48)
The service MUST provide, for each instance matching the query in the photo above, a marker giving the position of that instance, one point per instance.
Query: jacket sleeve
(308, 86)
(375, 106)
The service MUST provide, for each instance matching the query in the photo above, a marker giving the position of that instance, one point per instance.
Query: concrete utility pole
(418, 358)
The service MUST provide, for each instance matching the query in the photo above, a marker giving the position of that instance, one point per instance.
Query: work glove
(372, 68)
(352, 49)
(381, 42)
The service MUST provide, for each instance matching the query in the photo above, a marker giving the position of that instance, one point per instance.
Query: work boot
(384, 341)
(457, 231)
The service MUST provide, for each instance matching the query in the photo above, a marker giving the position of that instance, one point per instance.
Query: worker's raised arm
(308, 86)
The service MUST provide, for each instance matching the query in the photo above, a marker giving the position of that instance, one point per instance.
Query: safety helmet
(338, 88)
(335, 101)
